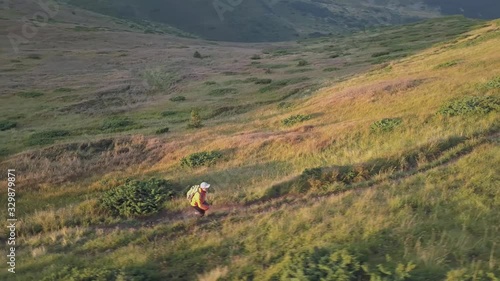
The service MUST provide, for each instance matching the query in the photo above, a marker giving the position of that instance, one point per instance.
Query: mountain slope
(259, 21)
(350, 158)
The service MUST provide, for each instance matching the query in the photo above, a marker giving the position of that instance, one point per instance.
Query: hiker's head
(204, 186)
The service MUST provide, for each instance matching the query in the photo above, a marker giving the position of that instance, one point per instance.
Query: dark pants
(201, 211)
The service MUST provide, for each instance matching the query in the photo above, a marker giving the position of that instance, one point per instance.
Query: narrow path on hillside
(218, 212)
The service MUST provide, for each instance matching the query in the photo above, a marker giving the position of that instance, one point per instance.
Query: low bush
(492, 84)
(255, 57)
(386, 125)
(195, 121)
(117, 124)
(302, 62)
(448, 64)
(162, 131)
(276, 85)
(197, 55)
(292, 120)
(30, 94)
(7, 125)
(168, 113)
(46, 137)
(34, 56)
(178, 98)
(223, 91)
(263, 81)
(136, 198)
(331, 69)
(470, 105)
(210, 83)
(325, 264)
(380, 54)
(201, 159)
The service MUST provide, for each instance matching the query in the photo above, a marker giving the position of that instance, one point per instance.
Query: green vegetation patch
(160, 79)
(331, 69)
(223, 91)
(205, 158)
(118, 124)
(168, 113)
(7, 125)
(292, 120)
(46, 137)
(178, 98)
(492, 84)
(448, 64)
(136, 198)
(162, 131)
(386, 124)
(276, 85)
(470, 105)
(325, 264)
(30, 94)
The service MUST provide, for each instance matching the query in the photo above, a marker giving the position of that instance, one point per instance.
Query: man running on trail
(198, 201)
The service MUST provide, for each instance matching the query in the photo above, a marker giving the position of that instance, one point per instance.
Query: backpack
(192, 191)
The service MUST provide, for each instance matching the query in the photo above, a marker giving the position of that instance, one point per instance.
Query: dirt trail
(218, 212)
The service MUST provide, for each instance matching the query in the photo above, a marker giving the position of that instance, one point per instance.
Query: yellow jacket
(199, 200)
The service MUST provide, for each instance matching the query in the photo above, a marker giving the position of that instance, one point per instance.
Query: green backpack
(191, 192)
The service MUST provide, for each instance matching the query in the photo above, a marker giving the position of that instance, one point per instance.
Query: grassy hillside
(366, 157)
(263, 21)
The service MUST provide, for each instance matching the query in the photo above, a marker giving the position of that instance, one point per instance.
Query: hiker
(198, 196)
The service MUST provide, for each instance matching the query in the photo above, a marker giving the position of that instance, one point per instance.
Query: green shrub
(332, 56)
(470, 105)
(136, 198)
(168, 113)
(81, 274)
(298, 70)
(178, 98)
(255, 57)
(195, 121)
(448, 64)
(162, 131)
(201, 159)
(321, 264)
(284, 105)
(197, 55)
(7, 125)
(46, 137)
(34, 56)
(302, 62)
(117, 124)
(160, 79)
(385, 125)
(63, 90)
(492, 84)
(263, 81)
(210, 83)
(292, 120)
(465, 274)
(276, 85)
(30, 94)
(380, 54)
(223, 91)
(331, 69)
